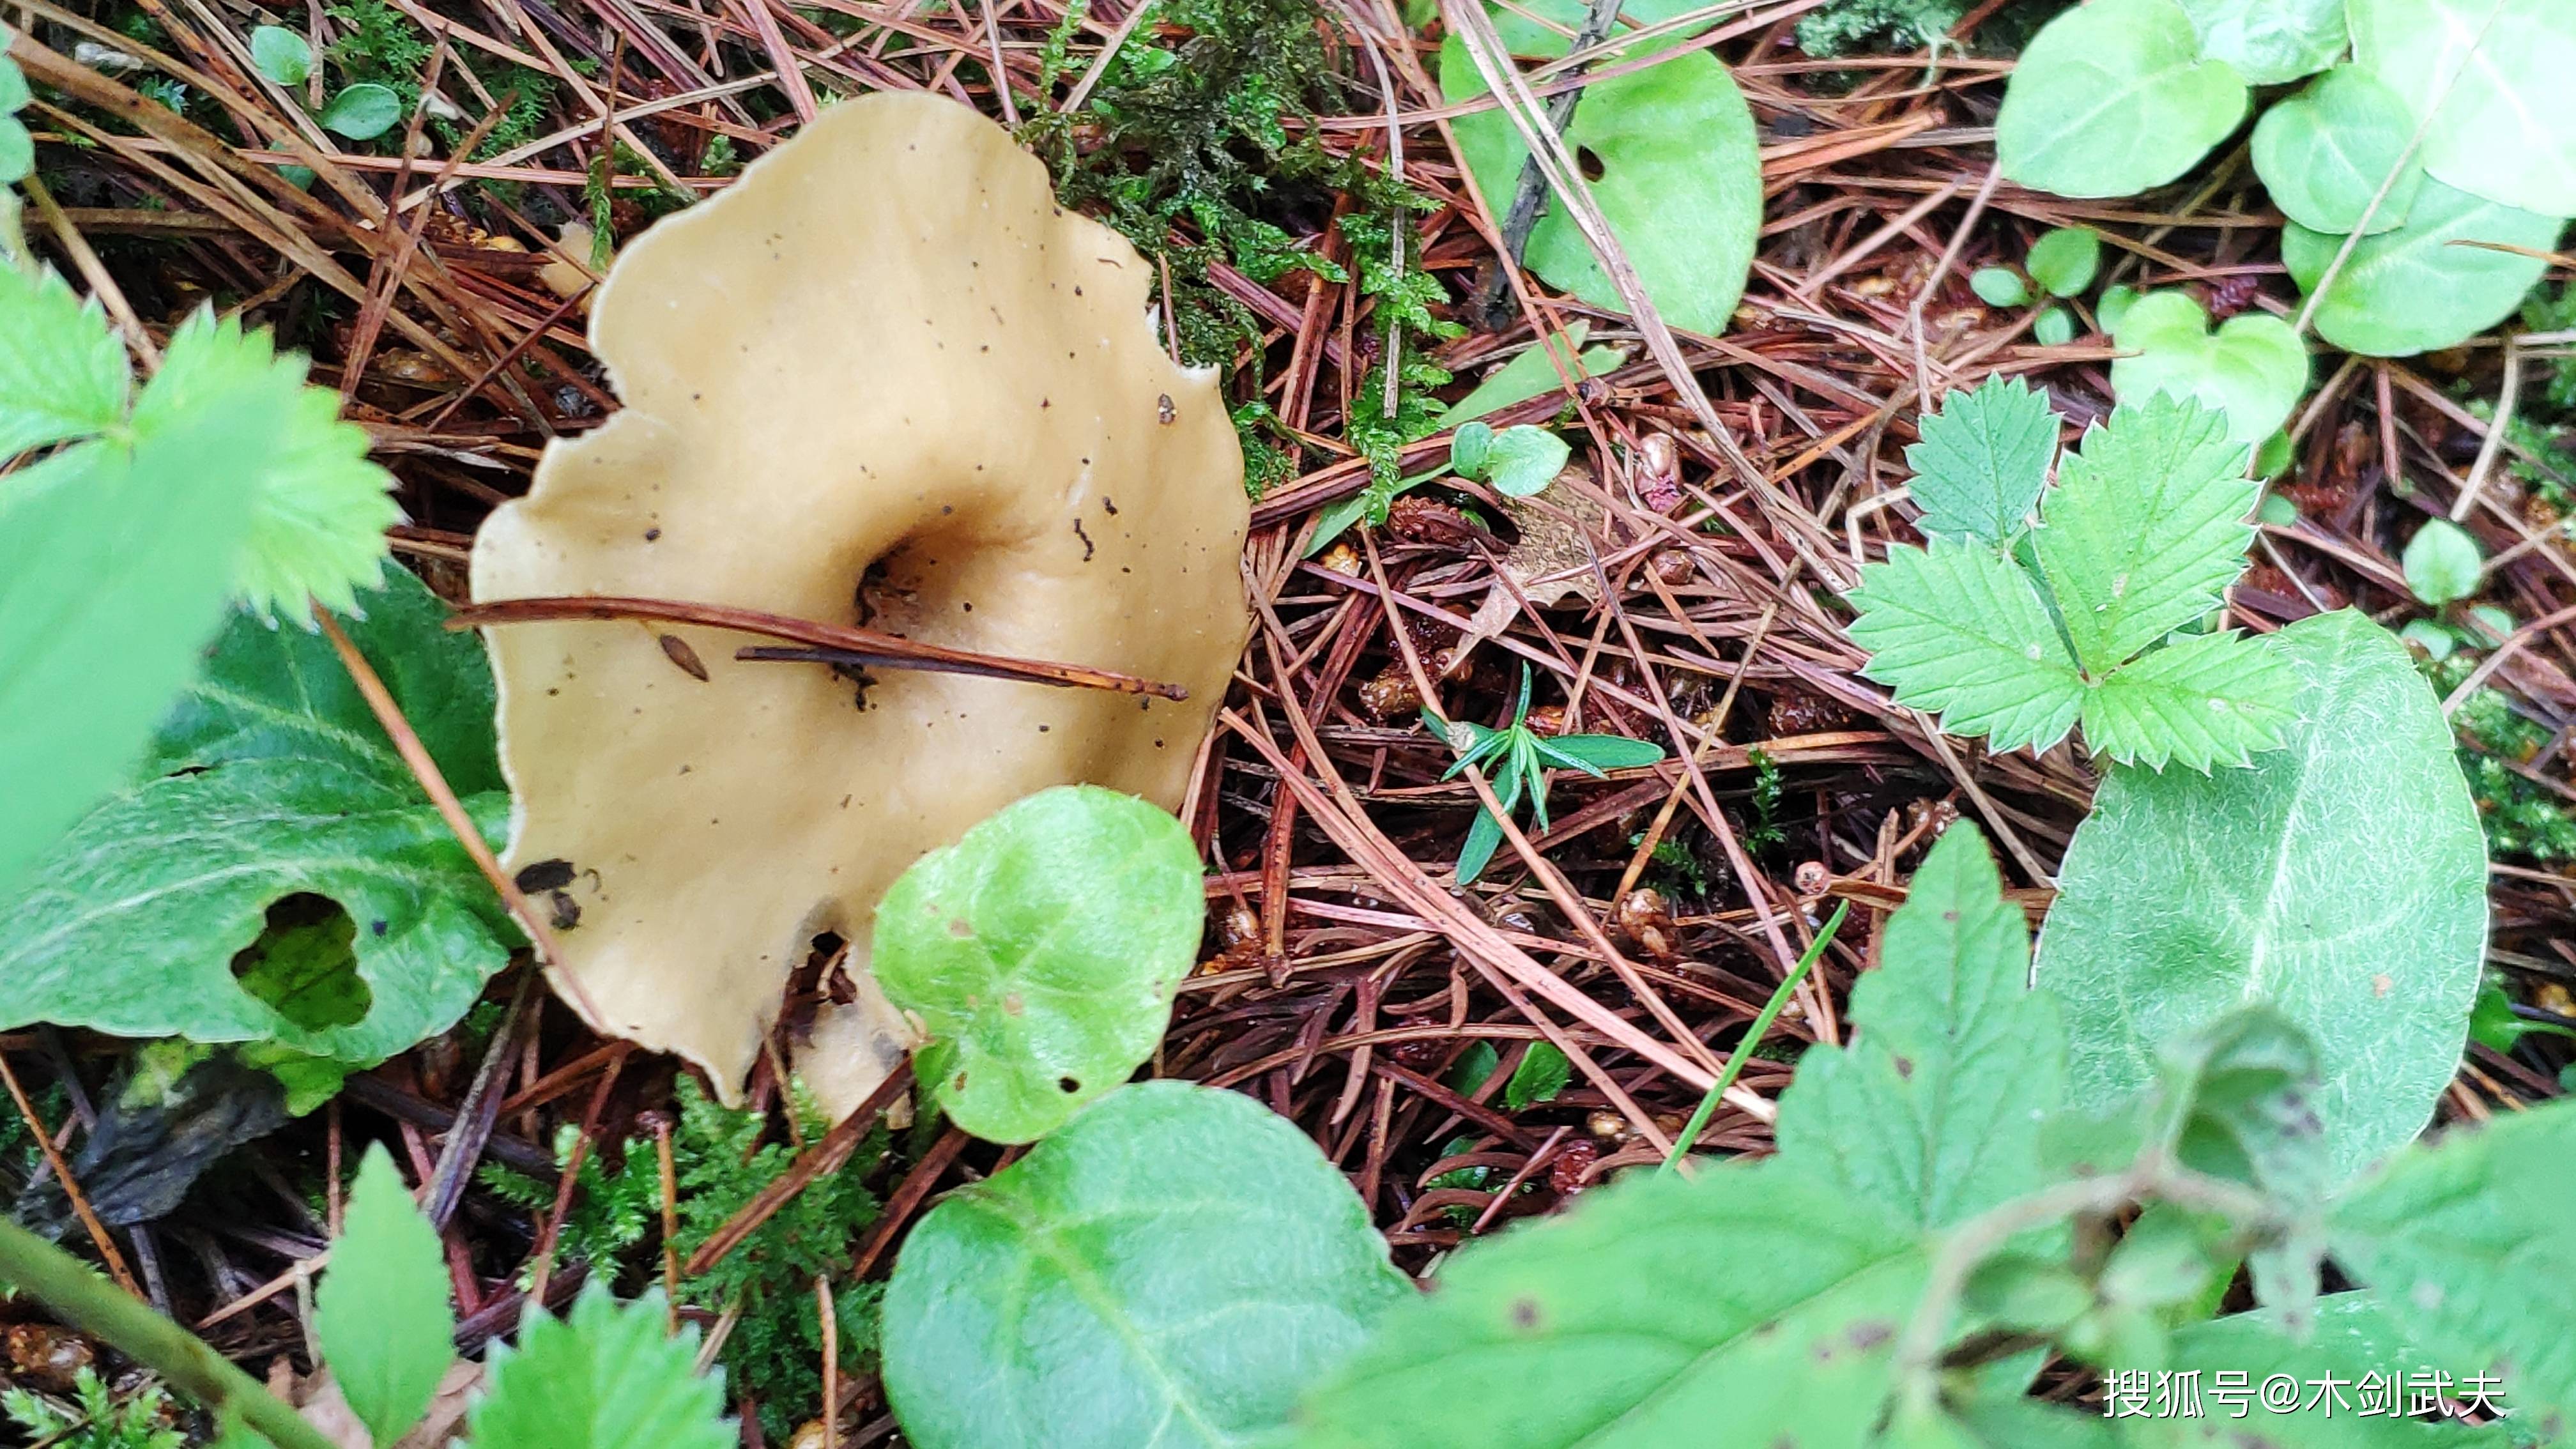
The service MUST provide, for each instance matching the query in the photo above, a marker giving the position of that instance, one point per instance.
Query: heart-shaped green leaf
(2505, 129)
(281, 55)
(363, 112)
(1041, 952)
(2442, 563)
(2252, 368)
(2341, 879)
(2271, 41)
(2325, 153)
(2421, 287)
(1170, 1269)
(2112, 98)
(1680, 169)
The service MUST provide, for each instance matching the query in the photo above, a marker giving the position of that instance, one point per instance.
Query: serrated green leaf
(2252, 369)
(2065, 259)
(2325, 152)
(1041, 953)
(1525, 460)
(2114, 97)
(323, 508)
(2340, 878)
(2146, 527)
(1681, 174)
(17, 159)
(62, 369)
(2442, 563)
(1170, 1269)
(1934, 1113)
(2354, 1338)
(272, 779)
(2421, 287)
(363, 111)
(2202, 700)
(14, 95)
(1543, 1072)
(114, 565)
(1958, 629)
(1751, 1305)
(2506, 124)
(1983, 459)
(2270, 41)
(281, 55)
(381, 1315)
(1533, 373)
(611, 1376)
(2467, 1243)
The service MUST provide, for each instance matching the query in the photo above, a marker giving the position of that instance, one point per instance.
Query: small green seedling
(2442, 563)
(1516, 759)
(281, 55)
(2065, 260)
(1999, 287)
(1519, 461)
(360, 112)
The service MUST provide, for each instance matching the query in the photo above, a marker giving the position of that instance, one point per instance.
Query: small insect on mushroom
(815, 464)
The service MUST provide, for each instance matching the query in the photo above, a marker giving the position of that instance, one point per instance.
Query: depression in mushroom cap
(882, 380)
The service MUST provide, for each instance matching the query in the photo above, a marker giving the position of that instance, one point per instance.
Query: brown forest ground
(1345, 980)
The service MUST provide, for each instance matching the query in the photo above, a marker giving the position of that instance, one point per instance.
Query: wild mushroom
(884, 379)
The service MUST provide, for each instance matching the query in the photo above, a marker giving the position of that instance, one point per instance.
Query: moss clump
(2522, 819)
(1862, 27)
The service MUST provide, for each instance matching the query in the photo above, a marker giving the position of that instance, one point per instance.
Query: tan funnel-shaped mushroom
(882, 380)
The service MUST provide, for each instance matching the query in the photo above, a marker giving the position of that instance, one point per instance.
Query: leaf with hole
(2112, 98)
(2252, 368)
(2428, 284)
(1983, 459)
(2492, 74)
(1933, 1114)
(1041, 953)
(1169, 1269)
(2325, 153)
(2340, 879)
(2271, 41)
(381, 1316)
(2442, 563)
(1680, 178)
(271, 784)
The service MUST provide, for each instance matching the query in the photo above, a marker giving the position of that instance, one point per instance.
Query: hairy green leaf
(1041, 952)
(62, 369)
(2147, 526)
(2270, 41)
(323, 508)
(2493, 76)
(2422, 286)
(611, 1376)
(2467, 1242)
(1958, 629)
(1934, 1114)
(1168, 1270)
(2114, 97)
(2203, 700)
(2355, 1354)
(2252, 369)
(381, 1315)
(2325, 153)
(114, 566)
(1752, 1305)
(2442, 563)
(1983, 459)
(1681, 174)
(271, 780)
(2340, 879)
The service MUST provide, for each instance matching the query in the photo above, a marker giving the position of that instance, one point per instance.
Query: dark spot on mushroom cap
(544, 875)
(652, 535)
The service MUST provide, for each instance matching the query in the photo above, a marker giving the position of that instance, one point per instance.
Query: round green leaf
(2112, 98)
(2442, 563)
(1470, 448)
(2436, 642)
(281, 55)
(363, 111)
(2252, 368)
(1998, 286)
(2064, 260)
(2271, 460)
(2416, 289)
(17, 151)
(2115, 305)
(1526, 459)
(1171, 1269)
(1680, 171)
(14, 94)
(2506, 127)
(2054, 327)
(1041, 952)
(2340, 880)
(2324, 152)
(2271, 41)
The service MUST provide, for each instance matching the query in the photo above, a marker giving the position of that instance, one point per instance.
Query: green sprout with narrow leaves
(1516, 759)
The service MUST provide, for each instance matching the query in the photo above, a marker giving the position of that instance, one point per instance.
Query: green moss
(98, 1418)
(2522, 819)
(1862, 27)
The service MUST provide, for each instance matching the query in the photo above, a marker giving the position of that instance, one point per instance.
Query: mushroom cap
(882, 379)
